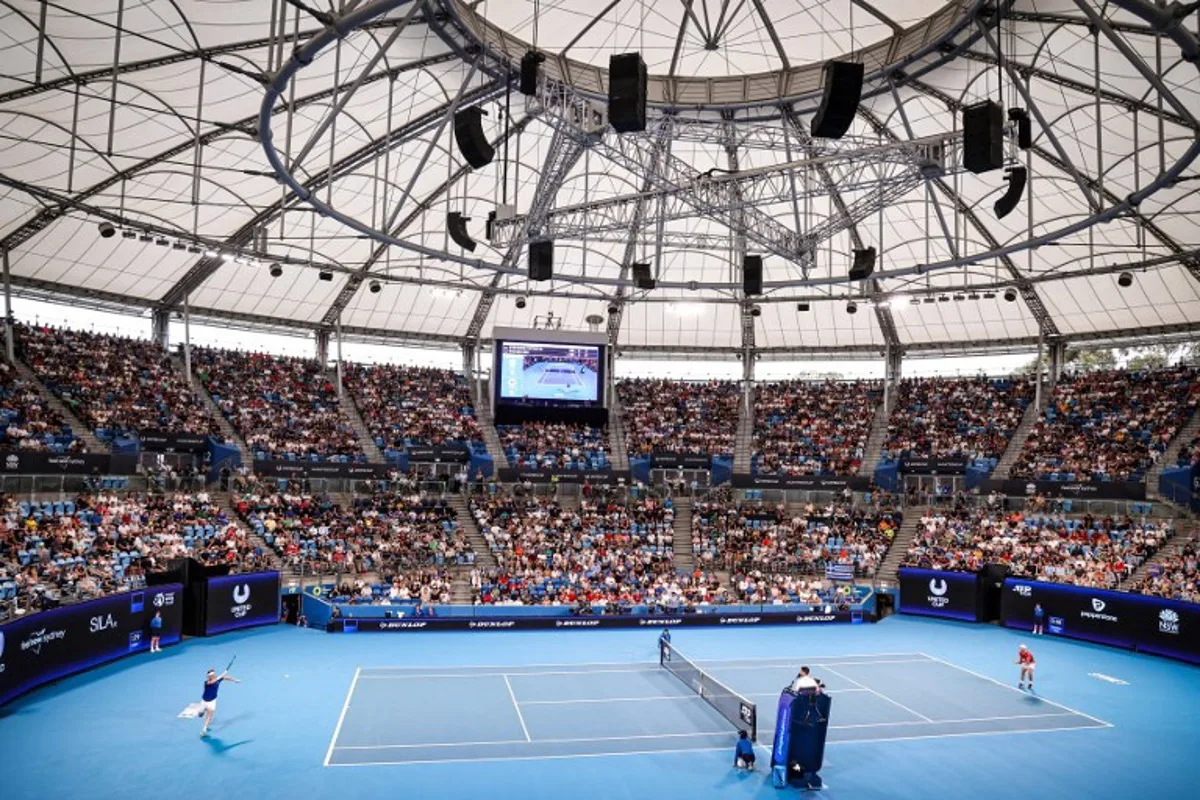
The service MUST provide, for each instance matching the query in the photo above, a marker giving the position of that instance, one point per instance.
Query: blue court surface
(575, 710)
(557, 381)
(920, 707)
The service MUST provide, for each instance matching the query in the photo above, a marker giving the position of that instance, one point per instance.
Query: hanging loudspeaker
(530, 67)
(541, 261)
(752, 275)
(839, 100)
(1016, 187)
(456, 225)
(983, 137)
(864, 264)
(1024, 127)
(468, 132)
(627, 92)
(642, 277)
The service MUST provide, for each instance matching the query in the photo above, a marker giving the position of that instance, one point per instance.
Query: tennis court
(411, 715)
(549, 379)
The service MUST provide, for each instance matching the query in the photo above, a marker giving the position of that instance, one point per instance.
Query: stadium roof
(270, 131)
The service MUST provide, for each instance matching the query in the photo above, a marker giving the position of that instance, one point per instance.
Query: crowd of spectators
(1108, 425)
(759, 588)
(30, 424)
(812, 427)
(284, 408)
(420, 586)
(413, 405)
(103, 543)
(693, 418)
(1189, 454)
(970, 418)
(1176, 577)
(554, 445)
(388, 533)
(115, 385)
(607, 552)
(750, 538)
(1099, 552)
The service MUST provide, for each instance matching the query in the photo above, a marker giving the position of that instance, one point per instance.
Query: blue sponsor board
(1139, 622)
(44, 647)
(937, 593)
(233, 602)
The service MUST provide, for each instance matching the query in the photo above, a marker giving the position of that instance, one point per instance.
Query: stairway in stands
(225, 501)
(890, 566)
(1033, 413)
(743, 443)
(227, 430)
(877, 436)
(483, 411)
(484, 558)
(685, 558)
(617, 452)
(1173, 546)
(81, 431)
(1169, 459)
(350, 409)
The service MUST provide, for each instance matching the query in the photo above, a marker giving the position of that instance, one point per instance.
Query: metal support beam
(1037, 371)
(187, 339)
(338, 336)
(561, 157)
(321, 346)
(737, 254)
(160, 328)
(8, 316)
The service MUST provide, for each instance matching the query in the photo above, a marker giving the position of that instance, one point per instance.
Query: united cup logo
(240, 595)
(937, 593)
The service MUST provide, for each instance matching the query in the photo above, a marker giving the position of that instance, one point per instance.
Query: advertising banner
(166, 441)
(662, 459)
(937, 593)
(1140, 622)
(607, 621)
(241, 601)
(23, 462)
(49, 645)
(596, 477)
(458, 454)
(929, 465)
(320, 469)
(818, 483)
(1083, 490)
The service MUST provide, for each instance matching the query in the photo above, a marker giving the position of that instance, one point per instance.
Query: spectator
(29, 424)
(956, 418)
(812, 427)
(678, 417)
(413, 405)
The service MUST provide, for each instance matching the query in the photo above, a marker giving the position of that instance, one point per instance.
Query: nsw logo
(937, 593)
(1168, 621)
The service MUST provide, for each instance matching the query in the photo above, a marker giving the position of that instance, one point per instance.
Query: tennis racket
(231, 663)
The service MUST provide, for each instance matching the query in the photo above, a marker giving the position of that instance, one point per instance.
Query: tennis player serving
(212, 683)
(1025, 659)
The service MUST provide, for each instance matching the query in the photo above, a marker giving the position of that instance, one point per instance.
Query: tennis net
(728, 703)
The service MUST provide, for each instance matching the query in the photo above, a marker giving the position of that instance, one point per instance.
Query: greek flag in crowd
(839, 572)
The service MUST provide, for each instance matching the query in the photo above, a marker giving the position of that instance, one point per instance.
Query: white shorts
(1028, 666)
(209, 705)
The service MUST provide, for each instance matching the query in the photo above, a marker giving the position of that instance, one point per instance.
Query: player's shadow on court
(220, 748)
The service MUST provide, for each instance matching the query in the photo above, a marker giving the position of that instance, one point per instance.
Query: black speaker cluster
(1016, 177)
(841, 93)
(627, 80)
(752, 276)
(541, 261)
(472, 143)
(864, 264)
(983, 137)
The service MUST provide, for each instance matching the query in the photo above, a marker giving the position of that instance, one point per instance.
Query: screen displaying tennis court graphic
(549, 371)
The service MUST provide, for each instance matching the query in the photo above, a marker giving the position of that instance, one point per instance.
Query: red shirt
(1025, 656)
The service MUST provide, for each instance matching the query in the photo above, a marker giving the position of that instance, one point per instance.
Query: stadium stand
(1108, 426)
(812, 427)
(554, 445)
(412, 405)
(117, 386)
(29, 424)
(680, 417)
(971, 418)
(1176, 577)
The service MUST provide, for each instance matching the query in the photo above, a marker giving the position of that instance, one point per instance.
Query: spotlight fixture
(374, 287)
(107, 231)
(916, 301)
(210, 253)
(145, 237)
(958, 298)
(521, 302)
(613, 309)
(179, 246)
(129, 234)
(989, 295)
(851, 307)
(802, 307)
(973, 296)
(755, 311)
(161, 241)
(325, 275)
(1010, 294)
(193, 248)
(930, 299)
(276, 270)
(1125, 280)
(943, 298)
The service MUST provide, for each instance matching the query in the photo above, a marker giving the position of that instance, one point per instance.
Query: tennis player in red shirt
(1025, 659)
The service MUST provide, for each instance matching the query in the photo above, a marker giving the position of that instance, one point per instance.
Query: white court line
(965, 733)
(880, 695)
(531, 758)
(787, 659)
(517, 706)
(726, 732)
(342, 717)
(655, 697)
(827, 691)
(947, 721)
(1018, 691)
(635, 670)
